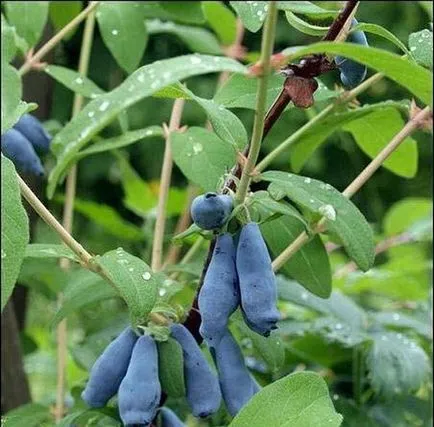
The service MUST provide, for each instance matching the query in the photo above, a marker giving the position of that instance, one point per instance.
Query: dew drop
(396, 316)
(399, 336)
(413, 48)
(304, 296)
(104, 106)
(115, 32)
(162, 292)
(141, 78)
(197, 148)
(335, 397)
(307, 180)
(146, 275)
(328, 211)
(3, 254)
(131, 269)
(90, 114)
(195, 60)
(167, 75)
(383, 338)
(338, 326)
(79, 80)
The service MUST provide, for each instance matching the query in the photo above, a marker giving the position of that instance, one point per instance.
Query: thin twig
(28, 65)
(166, 173)
(68, 215)
(261, 97)
(361, 179)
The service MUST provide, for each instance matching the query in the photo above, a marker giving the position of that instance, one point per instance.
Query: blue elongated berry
(169, 418)
(352, 73)
(256, 281)
(211, 210)
(33, 130)
(140, 390)
(109, 370)
(17, 148)
(202, 387)
(219, 296)
(236, 383)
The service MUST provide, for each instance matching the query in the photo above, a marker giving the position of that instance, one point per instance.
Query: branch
(34, 59)
(407, 130)
(166, 173)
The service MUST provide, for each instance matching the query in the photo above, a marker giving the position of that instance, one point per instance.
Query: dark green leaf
(135, 281)
(142, 83)
(252, 14)
(123, 31)
(420, 44)
(341, 216)
(14, 229)
(47, 250)
(303, 26)
(202, 156)
(184, 11)
(306, 8)
(30, 415)
(310, 265)
(171, 368)
(61, 13)
(221, 20)
(301, 399)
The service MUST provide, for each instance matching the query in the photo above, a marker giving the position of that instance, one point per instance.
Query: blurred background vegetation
(102, 180)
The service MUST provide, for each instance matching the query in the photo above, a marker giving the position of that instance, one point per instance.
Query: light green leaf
(184, 11)
(202, 156)
(10, 96)
(171, 368)
(382, 32)
(107, 218)
(28, 17)
(271, 349)
(221, 20)
(47, 250)
(310, 265)
(29, 415)
(342, 216)
(82, 289)
(225, 123)
(403, 214)
(138, 196)
(303, 26)
(420, 44)
(400, 320)
(318, 133)
(123, 140)
(9, 48)
(240, 92)
(123, 31)
(374, 131)
(300, 399)
(135, 281)
(197, 39)
(391, 65)
(74, 81)
(14, 228)
(338, 305)
(61, 13)
(252, 14)
(142, 83)
(306, 8)
(396, 364)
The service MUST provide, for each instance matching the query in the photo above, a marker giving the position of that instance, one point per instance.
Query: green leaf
(396, 364)
(47, 250)
(403, 214)
(171, 368)
(303, 26)
(240, 92)
(197, 39)
(420, 44)
(74, 81)
(61, 13)
(29, 415)
(271, 349)
(10, 96)
(202, 156)
(391, 65)
(300, 399)
(374, 131)
(225, 123)
(306, 8)
(82, 289)
(9, 47)
(400, 320)
(107, 218)
(382, 32)
(317, 134)
(310, 265)
(342, 216)
(221, 20)
(134, 280)
(123, 31)
(184, 11)
(14, 227)
(142, 83)
(120, 141)
(252, 14)
(338, 305)
(138, 196)
(28, 17)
